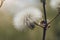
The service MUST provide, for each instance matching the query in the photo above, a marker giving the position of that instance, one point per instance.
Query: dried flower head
(26, 18)
(25, 12)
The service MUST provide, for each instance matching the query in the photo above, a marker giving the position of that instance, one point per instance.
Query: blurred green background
(8, 32)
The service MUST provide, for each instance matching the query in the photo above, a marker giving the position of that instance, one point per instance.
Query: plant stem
(45, 18)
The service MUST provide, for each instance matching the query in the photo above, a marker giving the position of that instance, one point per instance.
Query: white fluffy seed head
(21, 10)
(20, 19)
(54, 3)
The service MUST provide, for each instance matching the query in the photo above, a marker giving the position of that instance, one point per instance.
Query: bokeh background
(8, 32)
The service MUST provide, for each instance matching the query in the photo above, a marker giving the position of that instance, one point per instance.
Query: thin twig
(38, 25)
(55, 16)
